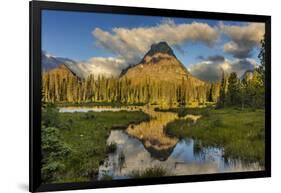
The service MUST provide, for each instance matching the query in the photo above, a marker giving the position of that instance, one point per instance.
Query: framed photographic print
(124, 96)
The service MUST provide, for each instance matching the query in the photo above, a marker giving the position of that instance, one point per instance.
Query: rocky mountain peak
(161, 47)
(159, 65)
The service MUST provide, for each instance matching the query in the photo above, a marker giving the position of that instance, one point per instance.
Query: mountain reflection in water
(152, 134)
(183, 160)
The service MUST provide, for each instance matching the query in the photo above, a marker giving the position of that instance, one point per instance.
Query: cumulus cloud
(215, 58)
(128, 46)
(211, 68)
(103, 66)
(132, 43)
(243, 39)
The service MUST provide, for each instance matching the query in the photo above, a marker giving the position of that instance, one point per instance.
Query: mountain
(161, 47)
(61, 70)
(60, 84)
(50, 62)
(248, 75)
(159, 64)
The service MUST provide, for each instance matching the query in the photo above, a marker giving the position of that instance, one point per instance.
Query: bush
(88, 116)
(50, 171)
(54, 151)
(50, 117)
(182, 112)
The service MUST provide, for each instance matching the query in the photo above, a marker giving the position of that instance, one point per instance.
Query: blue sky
(70, 34)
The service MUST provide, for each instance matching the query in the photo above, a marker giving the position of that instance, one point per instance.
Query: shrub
(182, 112)
(50, 171)
(50, 117)
(88, 116)
(54, 151)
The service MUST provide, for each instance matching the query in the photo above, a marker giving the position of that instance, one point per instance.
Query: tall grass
(151, 172)
(240, 133)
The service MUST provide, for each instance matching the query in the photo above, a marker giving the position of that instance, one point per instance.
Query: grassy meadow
(78, 145)
(240, 133)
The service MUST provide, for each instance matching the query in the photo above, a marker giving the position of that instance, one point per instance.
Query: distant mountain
(62, 70)
(56, 84)
(159, 64)
(50, 62)
(248, 75)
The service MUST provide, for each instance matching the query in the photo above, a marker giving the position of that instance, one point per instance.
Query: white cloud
(243, 39)
(129, 45)
(211, 70)
(132, 43)
(102, 66)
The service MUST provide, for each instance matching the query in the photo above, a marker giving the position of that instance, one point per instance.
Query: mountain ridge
(50, 62)
(159, 64)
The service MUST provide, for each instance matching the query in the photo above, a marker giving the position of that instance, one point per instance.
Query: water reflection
(94, 109)
(152, 133)
(182, 161)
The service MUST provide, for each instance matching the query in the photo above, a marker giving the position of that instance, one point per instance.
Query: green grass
(150, 173)
(86, 135)
(240, 133)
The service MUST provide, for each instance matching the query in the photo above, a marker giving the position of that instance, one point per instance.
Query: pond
(146, 145)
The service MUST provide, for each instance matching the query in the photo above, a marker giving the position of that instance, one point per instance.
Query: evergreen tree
(261, 56)
(233, 94)
(223, 90)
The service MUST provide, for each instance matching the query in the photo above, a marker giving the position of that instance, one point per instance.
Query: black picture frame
(35, 94)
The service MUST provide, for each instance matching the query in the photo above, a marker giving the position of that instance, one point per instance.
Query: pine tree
(261, 56)
(233, 94)
(222, 96)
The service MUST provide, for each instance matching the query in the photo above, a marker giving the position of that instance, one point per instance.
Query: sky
(107, 43)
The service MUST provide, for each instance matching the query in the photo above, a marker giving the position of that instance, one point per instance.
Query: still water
(146, 145)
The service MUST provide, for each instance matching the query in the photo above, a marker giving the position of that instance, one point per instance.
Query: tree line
(69, 88)
(230, 91)
(248, 92)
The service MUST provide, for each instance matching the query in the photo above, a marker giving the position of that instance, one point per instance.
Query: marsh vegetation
(240, 133)
(74, 144)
